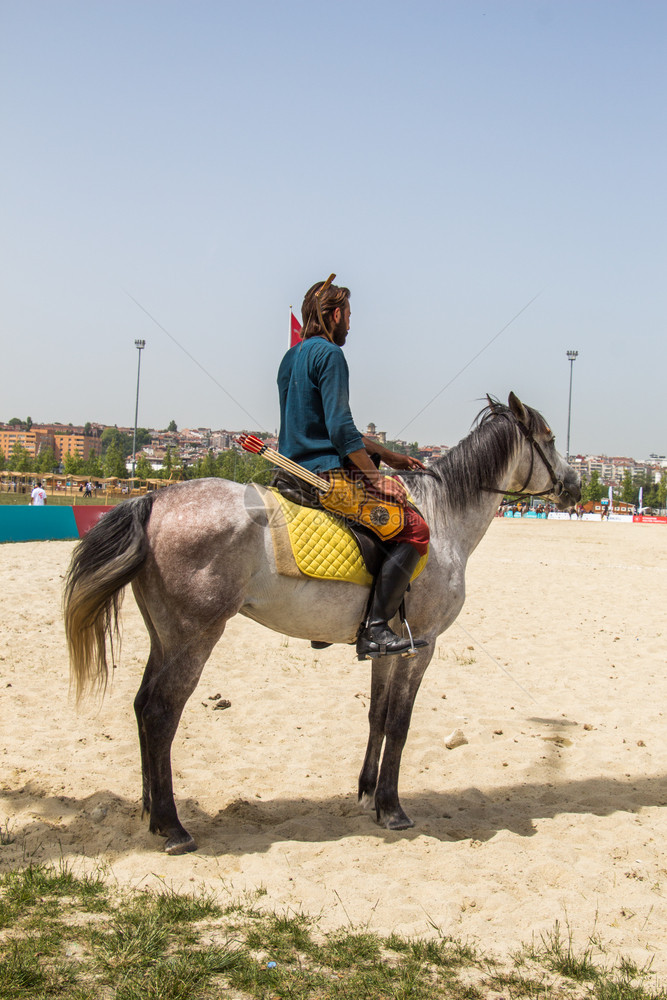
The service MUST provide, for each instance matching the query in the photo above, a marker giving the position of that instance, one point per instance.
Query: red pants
(415, 531)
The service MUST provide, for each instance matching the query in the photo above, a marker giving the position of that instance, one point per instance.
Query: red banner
(295, 330)
(649, 519)
(86, 517)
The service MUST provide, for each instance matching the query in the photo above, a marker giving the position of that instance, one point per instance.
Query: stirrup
(415, 644)
(389, 644)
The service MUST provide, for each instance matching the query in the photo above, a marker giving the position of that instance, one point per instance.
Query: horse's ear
(517, 408)
(492, 402)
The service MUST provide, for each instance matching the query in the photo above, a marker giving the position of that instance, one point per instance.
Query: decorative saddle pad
(315, 543)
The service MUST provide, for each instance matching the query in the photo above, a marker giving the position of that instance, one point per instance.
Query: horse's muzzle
(567, 493)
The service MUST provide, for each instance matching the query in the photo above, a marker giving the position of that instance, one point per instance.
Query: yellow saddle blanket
(313, 542)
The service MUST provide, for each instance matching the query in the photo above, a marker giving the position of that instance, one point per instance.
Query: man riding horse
(317, 431)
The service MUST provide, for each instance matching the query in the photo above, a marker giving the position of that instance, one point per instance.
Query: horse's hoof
(177, 845)
(367, 801)
(397, 821)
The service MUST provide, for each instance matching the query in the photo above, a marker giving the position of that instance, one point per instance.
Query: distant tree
(114, 462)
(3, 461)
(661, 492)
(656, 494)
(172, 426)
(93, 466)
(15, 422)
(404, 448)
(112, 436)
(73, 465)
(207, 467)
(644, 479)
(257, 470)
(226, 464)
(243, 467)
(168, 464)
(28, 423)
(628, 491)
(144, 470)
(20, 459)
(183, 468)
(46, 461)
(87, 428)
(592, 489)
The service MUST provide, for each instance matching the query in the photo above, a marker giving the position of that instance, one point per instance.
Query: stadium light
(139, 344)
(571, 357)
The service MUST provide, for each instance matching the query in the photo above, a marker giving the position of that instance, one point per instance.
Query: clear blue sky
(448, 160)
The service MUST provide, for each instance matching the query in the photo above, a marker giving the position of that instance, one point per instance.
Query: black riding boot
(376, 638)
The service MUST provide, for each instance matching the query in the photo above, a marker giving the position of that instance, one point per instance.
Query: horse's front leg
(377, 714)
(404, 683)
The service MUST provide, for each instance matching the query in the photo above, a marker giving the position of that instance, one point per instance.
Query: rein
(557, 484)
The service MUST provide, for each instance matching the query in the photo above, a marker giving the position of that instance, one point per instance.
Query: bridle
(558, 486)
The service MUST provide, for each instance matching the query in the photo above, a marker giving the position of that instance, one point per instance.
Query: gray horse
(198, 553)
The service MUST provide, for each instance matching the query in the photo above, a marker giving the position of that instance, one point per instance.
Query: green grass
(59, 499)
(562, 957)
(69, 937)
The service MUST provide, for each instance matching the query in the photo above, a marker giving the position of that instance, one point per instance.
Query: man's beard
(339, 332)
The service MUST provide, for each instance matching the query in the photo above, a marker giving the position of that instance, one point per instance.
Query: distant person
(38, 496)
(88, 491)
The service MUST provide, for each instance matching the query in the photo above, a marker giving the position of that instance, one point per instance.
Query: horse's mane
(479, 460)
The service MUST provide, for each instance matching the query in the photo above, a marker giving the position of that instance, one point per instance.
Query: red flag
(295, 330)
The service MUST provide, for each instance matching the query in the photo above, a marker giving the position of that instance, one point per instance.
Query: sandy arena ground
(556, 809)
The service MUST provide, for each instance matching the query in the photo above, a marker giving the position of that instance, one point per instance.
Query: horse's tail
(107, 558)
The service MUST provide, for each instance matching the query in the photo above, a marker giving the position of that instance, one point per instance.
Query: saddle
(308, 540)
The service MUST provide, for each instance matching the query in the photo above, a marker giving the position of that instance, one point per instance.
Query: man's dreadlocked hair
(335, 297)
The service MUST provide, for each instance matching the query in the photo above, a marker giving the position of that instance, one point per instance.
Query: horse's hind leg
(152, 668)
(158, 713)
(158, 718)
(171, 675)
(168, 683)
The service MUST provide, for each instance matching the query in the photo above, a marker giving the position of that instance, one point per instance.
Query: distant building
(81, 445)
(429, 453)
(612, 470)
(222, 440)
(375, 434)
(61, 440)
(618, 507)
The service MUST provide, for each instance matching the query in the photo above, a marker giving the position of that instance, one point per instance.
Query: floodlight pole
(571, 357)
(139, 344)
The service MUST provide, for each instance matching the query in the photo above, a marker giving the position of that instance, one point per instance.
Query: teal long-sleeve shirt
(316, 425)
